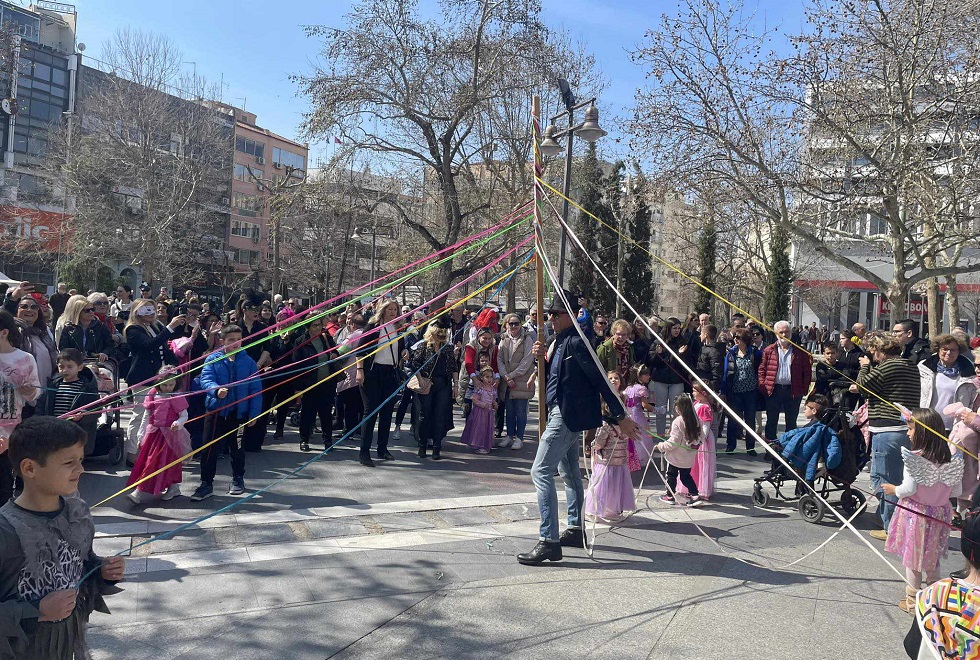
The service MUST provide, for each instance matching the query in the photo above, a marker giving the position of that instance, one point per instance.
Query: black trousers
(215, 427)
(380, 382)
(403, 406)
(685, 474)
(254, 436)
(435, 414)
(781, 402)
(318, 401)
(351, 403)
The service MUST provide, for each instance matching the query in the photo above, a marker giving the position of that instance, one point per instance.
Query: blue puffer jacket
(807, 445)
(219, 371)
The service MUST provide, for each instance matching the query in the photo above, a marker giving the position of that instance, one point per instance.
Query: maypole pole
(538, 263)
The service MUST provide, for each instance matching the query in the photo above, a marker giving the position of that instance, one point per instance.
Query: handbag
(422, 384)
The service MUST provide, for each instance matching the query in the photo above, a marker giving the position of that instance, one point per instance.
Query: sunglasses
(28, 307)
(89, 310)
(600, 323)
(513, 324)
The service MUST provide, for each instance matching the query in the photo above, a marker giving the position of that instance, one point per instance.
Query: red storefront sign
(913, 308)
(27, 228)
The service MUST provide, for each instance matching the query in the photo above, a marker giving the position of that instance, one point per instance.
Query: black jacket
(305, 356)
(89, 395)
(663, 367)
(709, 365)
(90, 341)
(580, 384)
(917, 351)
(148, 353)
(370, 338)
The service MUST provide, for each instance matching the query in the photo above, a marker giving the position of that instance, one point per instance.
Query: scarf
(950, 372)
(622, 359)
(32, 336)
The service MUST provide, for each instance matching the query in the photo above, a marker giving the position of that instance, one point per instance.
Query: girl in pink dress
(704, 469)
(610, 492)
(639, 401)
(478, 432)
(919, 529)
(164, 440)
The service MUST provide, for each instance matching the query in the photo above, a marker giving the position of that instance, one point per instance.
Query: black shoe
(385, 455)
(543, 551)
(572, 538)
(304, 445)
(729, 450)
(751, 452)
(960, 574)
(435, 455)
(366, 461)
(421, 452)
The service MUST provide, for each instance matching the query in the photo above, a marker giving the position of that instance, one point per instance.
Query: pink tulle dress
(705, 468)
(161, 444)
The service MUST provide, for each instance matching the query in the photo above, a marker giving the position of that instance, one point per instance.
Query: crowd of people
(221, 381)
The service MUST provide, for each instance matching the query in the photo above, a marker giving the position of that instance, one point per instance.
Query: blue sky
(255, 45)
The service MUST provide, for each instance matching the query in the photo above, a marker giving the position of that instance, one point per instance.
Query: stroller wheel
(811, 509)
(851, 501)
(759, 496)
(115, 456)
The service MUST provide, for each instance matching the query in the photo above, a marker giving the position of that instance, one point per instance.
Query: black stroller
(826, 482)
(109, 434)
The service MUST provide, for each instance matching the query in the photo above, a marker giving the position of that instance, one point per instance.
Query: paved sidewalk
(415, 559)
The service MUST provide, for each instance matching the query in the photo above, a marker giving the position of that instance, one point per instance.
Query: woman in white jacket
(516, 364)
(946, 377)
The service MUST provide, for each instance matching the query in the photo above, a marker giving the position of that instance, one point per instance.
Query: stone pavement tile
(188, 539)
(190, 596)
(279, 551)
(517, 511)
(105, 547)
(255, 534)
(399, 522)
(331, 528)
(454, 517)
(195, 559)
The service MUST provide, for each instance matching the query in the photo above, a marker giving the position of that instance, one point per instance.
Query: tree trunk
(932, 292)
(952, 302)
(897, 294)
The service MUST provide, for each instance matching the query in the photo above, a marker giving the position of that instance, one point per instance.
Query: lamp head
(549, 146)
(589, 130)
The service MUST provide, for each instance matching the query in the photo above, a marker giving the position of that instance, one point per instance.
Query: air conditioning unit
(225, 201)
(278, 166)
(261, 160)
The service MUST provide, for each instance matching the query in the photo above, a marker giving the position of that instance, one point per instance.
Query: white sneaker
(517, 444)
(397, 435)
(504, 442)
(171, 492)
(136, 496)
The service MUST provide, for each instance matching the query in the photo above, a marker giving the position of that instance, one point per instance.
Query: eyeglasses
(101, 304)
(89, 310)
(513, 324)
(600, 322)
(28, 307)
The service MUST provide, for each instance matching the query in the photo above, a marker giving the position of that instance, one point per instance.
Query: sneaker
(697, 500)
(482, 451)
(203, 492)
(237, 486)
(503, 443)
(879, 534)
(136, 496)
(667, 499)
(729, 450)
(397, 435)
(171, 492)
(517, 444)
(752, 452)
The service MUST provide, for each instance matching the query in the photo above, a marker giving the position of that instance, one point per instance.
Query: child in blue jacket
(804, 447)
(234, 398)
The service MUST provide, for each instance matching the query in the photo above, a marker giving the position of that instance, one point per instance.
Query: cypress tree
(583, 278)
(780, 277)
(707, 254)
(638, 279)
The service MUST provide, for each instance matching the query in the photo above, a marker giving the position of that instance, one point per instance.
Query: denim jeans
(664, 395)
(558, 447)
(887, 467)
(743, 403)
(516, 410)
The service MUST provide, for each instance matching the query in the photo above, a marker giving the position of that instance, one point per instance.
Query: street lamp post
(588, 130)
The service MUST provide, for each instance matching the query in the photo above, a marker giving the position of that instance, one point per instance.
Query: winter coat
(806, 446)
(91, 341)
(728, 369)
(516, 361)
(663, 367)
(610, 447)
(801, 371)
(90, 393)
(917, 351)
(219, 372)
(609, 356)
(709, 365)
(470, 364)
(148, 353)
(305, 356)
(678, 451)
(966, 390)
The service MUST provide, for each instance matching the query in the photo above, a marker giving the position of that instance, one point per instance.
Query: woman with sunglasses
(263, 352)
(516, 362)
(740, 384)
(147, 339)
(79, 328)
(35, 338)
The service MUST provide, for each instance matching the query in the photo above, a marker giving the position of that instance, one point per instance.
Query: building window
(247, 257)
(241, 173)
(250, 147)
(247, 205)
(283, 158)
(245, 229)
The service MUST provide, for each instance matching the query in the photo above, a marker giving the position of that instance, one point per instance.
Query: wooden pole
(539, 263)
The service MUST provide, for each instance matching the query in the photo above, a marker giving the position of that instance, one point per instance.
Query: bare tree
(861, 136)
(148, 163)
(447, 99)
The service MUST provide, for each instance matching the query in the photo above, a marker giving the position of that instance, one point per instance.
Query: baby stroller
(109, 434)
(825, 482)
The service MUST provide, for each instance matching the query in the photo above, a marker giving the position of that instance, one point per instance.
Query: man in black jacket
(710, 358)
(575, 383)
(915, 349)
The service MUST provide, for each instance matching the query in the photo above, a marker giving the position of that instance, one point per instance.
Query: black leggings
(685, 474)
(317, 402)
